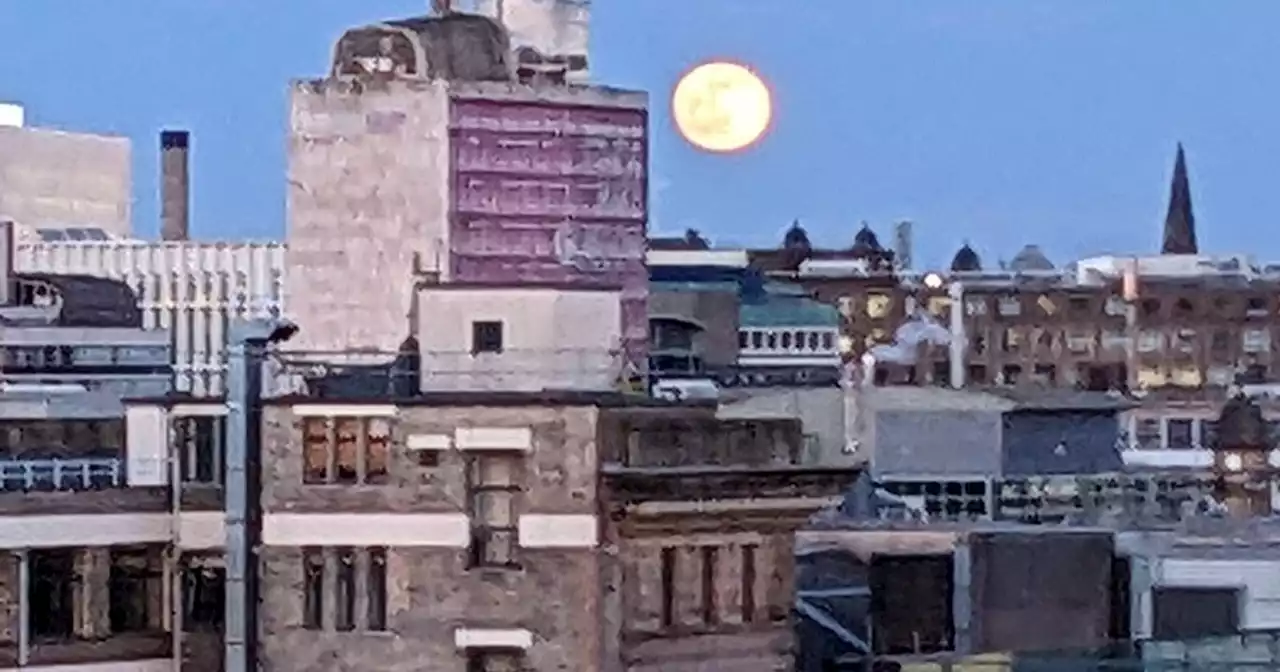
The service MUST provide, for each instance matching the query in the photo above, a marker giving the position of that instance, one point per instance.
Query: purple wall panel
(557, 193)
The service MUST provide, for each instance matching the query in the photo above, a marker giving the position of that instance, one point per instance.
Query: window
(1150, 307)
(345, 617)
(1010, 306)
(939, 306)
(352, 568)
(668, 334)
(1150, 341)
(1180, 433)
(492, 491)
(200, 441)
(878, 306)
(1183, 308)
(975, 305)
(51, 594)
(1147, 433)
(757, 339)
(743, 337)
(313, 588)
(668, 590)
(710, 614)
(1256, 307)
(203, 596)
(134, 588)
(748, 583)
(828, 341)
(486, 336)
(496, 660)
(346, 450)
(1010, 340)
(786, 339)
(772, 339)
(376, 585)
(1256, 340)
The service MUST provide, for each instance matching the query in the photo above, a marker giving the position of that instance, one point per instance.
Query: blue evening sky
(999, 121)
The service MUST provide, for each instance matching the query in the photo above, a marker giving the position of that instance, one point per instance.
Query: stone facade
(55, 179)
(430, 591)
(380, 194)
(702, 518)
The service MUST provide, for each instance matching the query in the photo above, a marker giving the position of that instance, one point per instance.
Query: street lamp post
(242, 459)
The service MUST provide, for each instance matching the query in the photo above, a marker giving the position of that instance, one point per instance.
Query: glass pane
(494, 508)
(499, 547)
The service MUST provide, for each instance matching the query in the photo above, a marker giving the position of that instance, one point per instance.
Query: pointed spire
(1180, 222)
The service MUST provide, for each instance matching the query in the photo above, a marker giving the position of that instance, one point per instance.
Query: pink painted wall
(552, 192)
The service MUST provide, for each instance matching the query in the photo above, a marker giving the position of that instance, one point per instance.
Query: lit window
(878, 306)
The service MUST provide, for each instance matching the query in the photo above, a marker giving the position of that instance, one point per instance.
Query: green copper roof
(788, 311)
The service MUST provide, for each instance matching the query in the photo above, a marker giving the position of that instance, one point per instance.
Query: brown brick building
(478, 532)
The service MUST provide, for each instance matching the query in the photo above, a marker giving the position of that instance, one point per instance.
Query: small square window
(486, 337)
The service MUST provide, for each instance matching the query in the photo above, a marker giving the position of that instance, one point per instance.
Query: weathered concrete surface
(368, 171)
(820, 411)
(57, 179)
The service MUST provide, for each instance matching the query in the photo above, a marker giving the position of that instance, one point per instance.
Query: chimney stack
(175, 185)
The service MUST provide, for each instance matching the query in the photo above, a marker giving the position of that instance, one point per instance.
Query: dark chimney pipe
(175, 185)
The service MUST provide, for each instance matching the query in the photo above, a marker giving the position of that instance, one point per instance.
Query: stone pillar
(92, 593)
(10, 599)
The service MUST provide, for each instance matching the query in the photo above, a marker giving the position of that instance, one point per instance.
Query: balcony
(61, 475)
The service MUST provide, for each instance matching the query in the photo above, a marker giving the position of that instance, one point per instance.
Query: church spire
(1180, 222)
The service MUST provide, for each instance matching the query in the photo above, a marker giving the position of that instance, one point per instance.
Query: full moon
(721, 107)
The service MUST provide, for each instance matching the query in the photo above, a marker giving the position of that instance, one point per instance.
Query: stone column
(10, 598)
(92, 593)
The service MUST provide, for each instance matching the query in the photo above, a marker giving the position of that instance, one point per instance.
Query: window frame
(325, 446)
(488, 337)
(483, 532)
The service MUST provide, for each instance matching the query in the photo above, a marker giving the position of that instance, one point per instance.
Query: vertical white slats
(191, 289)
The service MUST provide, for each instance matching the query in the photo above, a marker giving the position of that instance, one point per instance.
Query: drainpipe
(246, 356)
(959, 340)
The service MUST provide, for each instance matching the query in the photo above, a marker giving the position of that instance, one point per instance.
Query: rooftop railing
(61, 475)
(370, 374)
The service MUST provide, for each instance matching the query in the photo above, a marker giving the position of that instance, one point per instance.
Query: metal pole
(236, 500)
(244, 389)
(24, 607)
(174, 560)
(959, 339)
(245, 358)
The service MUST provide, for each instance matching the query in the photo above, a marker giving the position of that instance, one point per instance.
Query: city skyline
(1042, 122)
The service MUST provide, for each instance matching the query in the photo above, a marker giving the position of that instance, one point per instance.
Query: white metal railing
(53, 475)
